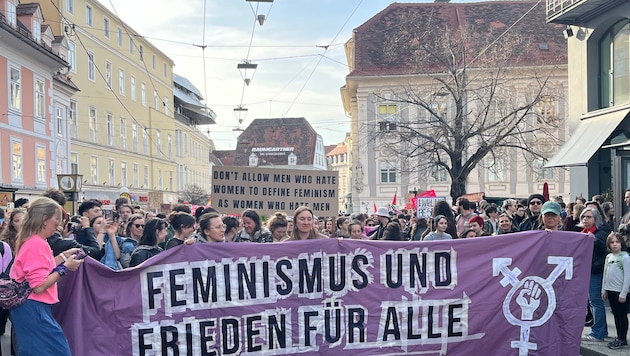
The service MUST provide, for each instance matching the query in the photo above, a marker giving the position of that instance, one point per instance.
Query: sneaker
(591, 338)
(617, 344)
(610, 344)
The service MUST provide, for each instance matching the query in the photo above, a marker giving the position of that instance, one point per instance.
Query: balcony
(578, 12)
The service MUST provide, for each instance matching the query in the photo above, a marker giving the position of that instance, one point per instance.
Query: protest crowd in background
(128, 236)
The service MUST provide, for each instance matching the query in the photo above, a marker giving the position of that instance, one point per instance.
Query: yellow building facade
(123, 130)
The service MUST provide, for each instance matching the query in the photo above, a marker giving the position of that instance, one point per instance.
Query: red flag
(375, 208)
(428, 194)
(414, 201)
(394, 200)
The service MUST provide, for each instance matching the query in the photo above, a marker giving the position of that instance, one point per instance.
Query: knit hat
(478, 219)
(536, 196)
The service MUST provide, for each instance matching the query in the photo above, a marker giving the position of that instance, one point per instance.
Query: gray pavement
(599, 348)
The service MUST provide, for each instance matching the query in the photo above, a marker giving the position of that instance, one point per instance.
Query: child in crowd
(616, 286)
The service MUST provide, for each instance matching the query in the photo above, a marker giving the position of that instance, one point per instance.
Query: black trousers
(620, 312)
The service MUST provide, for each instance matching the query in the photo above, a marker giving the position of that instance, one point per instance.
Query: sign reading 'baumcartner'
(515, 294)
(269, 190)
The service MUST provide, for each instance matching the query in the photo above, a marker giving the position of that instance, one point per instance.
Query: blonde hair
(40, 210)
(313, 234)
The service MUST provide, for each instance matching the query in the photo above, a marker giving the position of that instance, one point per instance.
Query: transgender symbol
(528, 293)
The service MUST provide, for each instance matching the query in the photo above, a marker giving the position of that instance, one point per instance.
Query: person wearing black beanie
(534, 202)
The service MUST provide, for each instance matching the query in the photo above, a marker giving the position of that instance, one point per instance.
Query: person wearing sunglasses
(534, 203)
(133, 233)
(154, 233)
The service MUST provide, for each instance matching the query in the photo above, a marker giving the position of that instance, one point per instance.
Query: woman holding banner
(37, 332)
(303, 228)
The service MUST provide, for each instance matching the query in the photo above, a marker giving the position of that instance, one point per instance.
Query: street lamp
(243, 67)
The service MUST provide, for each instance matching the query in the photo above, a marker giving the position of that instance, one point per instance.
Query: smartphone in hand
(80, 255)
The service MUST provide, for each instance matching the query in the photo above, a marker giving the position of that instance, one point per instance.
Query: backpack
(12, 292)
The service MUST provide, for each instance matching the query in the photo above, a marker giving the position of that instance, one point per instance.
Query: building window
(145, 141)
(439, 174)
(72, 56)
(37, 31)
(91, 67)
(166, 109)
(153, 61)
(111, 169)
(178, 143)
(158, 142)
(119, 36)
(545, 110)
(12, 14)
(108, 75)
(155, 100)
(132, 82)
(70, 6)
(123, 173)
(388, 173)
(106, 27)
(16, 161)
(165, 70)
(143, 94)
(146, 177)
(159, 172)
(40, 102)
(41, 164)
(387, 117)
(74, 119)
(74, 163)
(110, 129)
(169, 146)
(94, 170)
(123, 133)
(134, 137)
(496, 170)
(92, 123)
(141, 50)
(16, 88)
(88, 15)
(131, 46)
(614, 51)
(136, 178)
(170, 180)
(121, 82)
(542, 173)
(59, 120)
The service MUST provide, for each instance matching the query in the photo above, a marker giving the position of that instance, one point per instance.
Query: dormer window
(11, 14)
(37, 31)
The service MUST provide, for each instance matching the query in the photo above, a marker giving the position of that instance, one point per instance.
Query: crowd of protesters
(128, 236)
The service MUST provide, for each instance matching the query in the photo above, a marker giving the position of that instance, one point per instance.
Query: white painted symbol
(529, 293)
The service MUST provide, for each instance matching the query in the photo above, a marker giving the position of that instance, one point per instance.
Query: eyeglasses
(537, 202)
(139, 226)
(370, 224)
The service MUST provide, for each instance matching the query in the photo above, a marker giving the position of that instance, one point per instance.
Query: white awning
(589, 136)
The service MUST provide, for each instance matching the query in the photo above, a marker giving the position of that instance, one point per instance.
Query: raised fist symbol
(529, 299)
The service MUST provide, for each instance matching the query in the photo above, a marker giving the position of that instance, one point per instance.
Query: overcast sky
(295, 76)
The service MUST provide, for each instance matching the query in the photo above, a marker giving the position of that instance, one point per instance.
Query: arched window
(614, 51)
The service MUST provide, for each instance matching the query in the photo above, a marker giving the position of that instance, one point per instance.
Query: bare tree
(469, 107)
(194, 194)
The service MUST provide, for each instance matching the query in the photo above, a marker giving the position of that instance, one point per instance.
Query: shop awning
(587, 138)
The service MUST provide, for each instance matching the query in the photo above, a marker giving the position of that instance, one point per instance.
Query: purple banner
(515, 294)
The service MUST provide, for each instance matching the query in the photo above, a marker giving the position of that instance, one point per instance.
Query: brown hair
(619, 237)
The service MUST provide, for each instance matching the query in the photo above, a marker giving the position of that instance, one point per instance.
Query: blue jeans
(600, 328)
